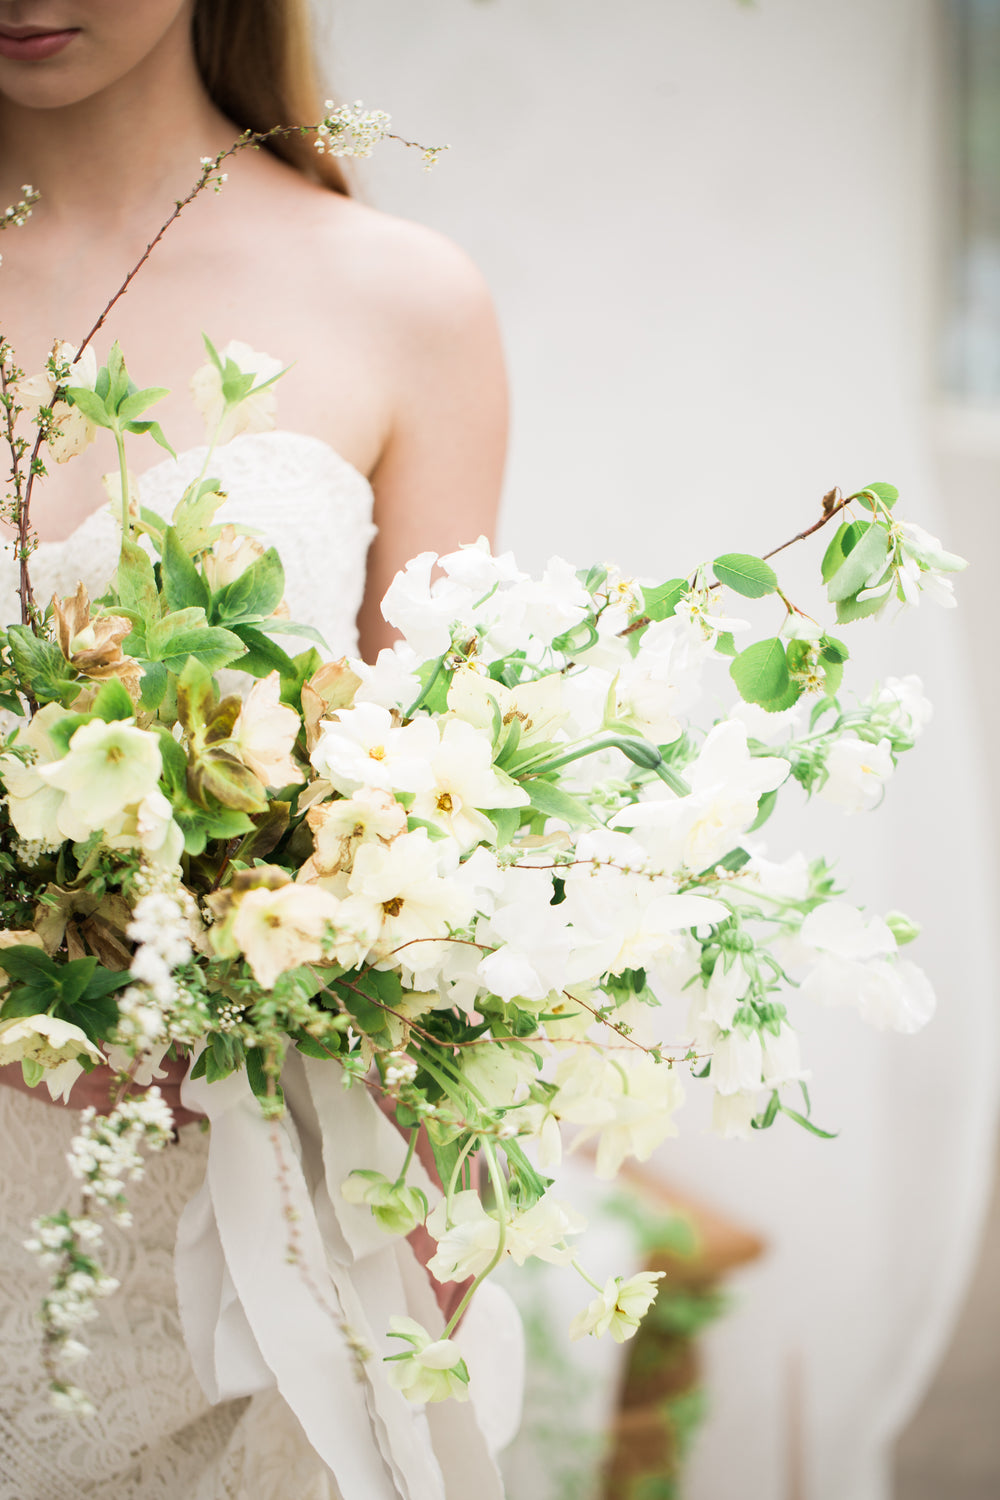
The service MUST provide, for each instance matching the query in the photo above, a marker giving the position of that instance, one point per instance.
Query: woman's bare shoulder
(415, 278)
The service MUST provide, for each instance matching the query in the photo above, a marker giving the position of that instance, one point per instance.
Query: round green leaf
(761, 673)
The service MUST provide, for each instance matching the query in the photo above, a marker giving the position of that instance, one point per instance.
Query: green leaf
(832, 650)
(725, 643)
(834, 554)
(254, 595)
(506, 821)
(133, 406)
(183, 585)
(154, 430)
(793, 1114)
(761, 672)
(41, 666)
(887, 493)
(850, 610)
(154, 685)
(553, 802)
(113, 702)
(135, 582)
(263, 656)
(174, 761)
(117, 376)
(661, 602)
(865, 559)
(213, 647)
(29, 965)
(745, 574)
(89, 403)
(193, 515)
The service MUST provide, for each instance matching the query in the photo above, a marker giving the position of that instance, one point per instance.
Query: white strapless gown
(291, 1413)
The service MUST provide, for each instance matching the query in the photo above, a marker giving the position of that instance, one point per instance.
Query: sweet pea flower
(737, 1061)
(856, 773)
(732, 1114)
(395, 1207)
(468, 1236)
(630, 1108)
(619, 1308)
(433, 1370)
(901, 703)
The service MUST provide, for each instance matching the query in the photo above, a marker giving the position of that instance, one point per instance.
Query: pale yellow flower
(45, 1040)
(619, 1309)
(265, 732)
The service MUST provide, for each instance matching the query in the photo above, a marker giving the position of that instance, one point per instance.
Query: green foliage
(761, 674)
(78, 991)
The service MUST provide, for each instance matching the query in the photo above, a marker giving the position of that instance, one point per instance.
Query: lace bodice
(294, 490)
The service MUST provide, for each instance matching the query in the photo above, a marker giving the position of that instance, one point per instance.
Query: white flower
(148, 825)
(433, 1371)
(265, 732)
(737, 1061)
(407, 901)
(532, 939)
(421, 613)
(464, 783)
(392, 682)
(619, 1308)
(724, 991)
(781, 1062)
(538, 706)
(902, 704)
(108, 766)
(362, 747)
(255, 413)
(840, 929)
(856, 773)
(927, 551)
(46, 1040)
(891, 996)
(554, 603)
(726, 783)
(468, 1236)
(642, 1097)
(732, 1114)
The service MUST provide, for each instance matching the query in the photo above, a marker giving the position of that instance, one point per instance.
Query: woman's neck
(108, 160)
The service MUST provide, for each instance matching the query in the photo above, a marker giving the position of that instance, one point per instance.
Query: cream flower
(339, 828)
(232, 553)
(619, 1308)
(409, 902)
(468, 1236)
(72, 431)
(255, 413)
(433, 1370)
(107, 767)
(265, 732)
(45, 1040)
(32, 802)
(278, 929)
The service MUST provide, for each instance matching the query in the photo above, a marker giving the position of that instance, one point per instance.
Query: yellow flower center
(394, 907)
(444, 803)
(377, 752)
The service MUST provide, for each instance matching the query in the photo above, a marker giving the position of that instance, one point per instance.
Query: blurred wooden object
(661, 1401)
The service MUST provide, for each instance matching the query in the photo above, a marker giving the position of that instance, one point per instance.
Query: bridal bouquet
(507, 878)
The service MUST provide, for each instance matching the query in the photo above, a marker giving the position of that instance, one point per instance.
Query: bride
(393, 417)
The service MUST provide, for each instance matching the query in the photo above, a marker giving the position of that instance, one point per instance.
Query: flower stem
(503, 1206)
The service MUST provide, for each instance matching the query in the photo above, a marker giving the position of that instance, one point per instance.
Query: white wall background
(709, 230)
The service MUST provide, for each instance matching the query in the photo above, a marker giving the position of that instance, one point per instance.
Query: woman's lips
(33, 46)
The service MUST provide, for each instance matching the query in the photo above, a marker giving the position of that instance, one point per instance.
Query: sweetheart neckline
(306, 438)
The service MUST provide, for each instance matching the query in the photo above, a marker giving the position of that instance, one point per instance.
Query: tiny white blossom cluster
(350, 129)
(160, 929)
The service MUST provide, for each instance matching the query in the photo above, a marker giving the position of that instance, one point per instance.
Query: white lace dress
(267, 1339)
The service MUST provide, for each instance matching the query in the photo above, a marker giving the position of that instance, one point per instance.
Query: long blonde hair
(256, 60)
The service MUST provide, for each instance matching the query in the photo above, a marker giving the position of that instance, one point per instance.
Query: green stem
(408, 1158)
(432, 679)
(123, 480)
(588, 1279)
(503, 1205)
